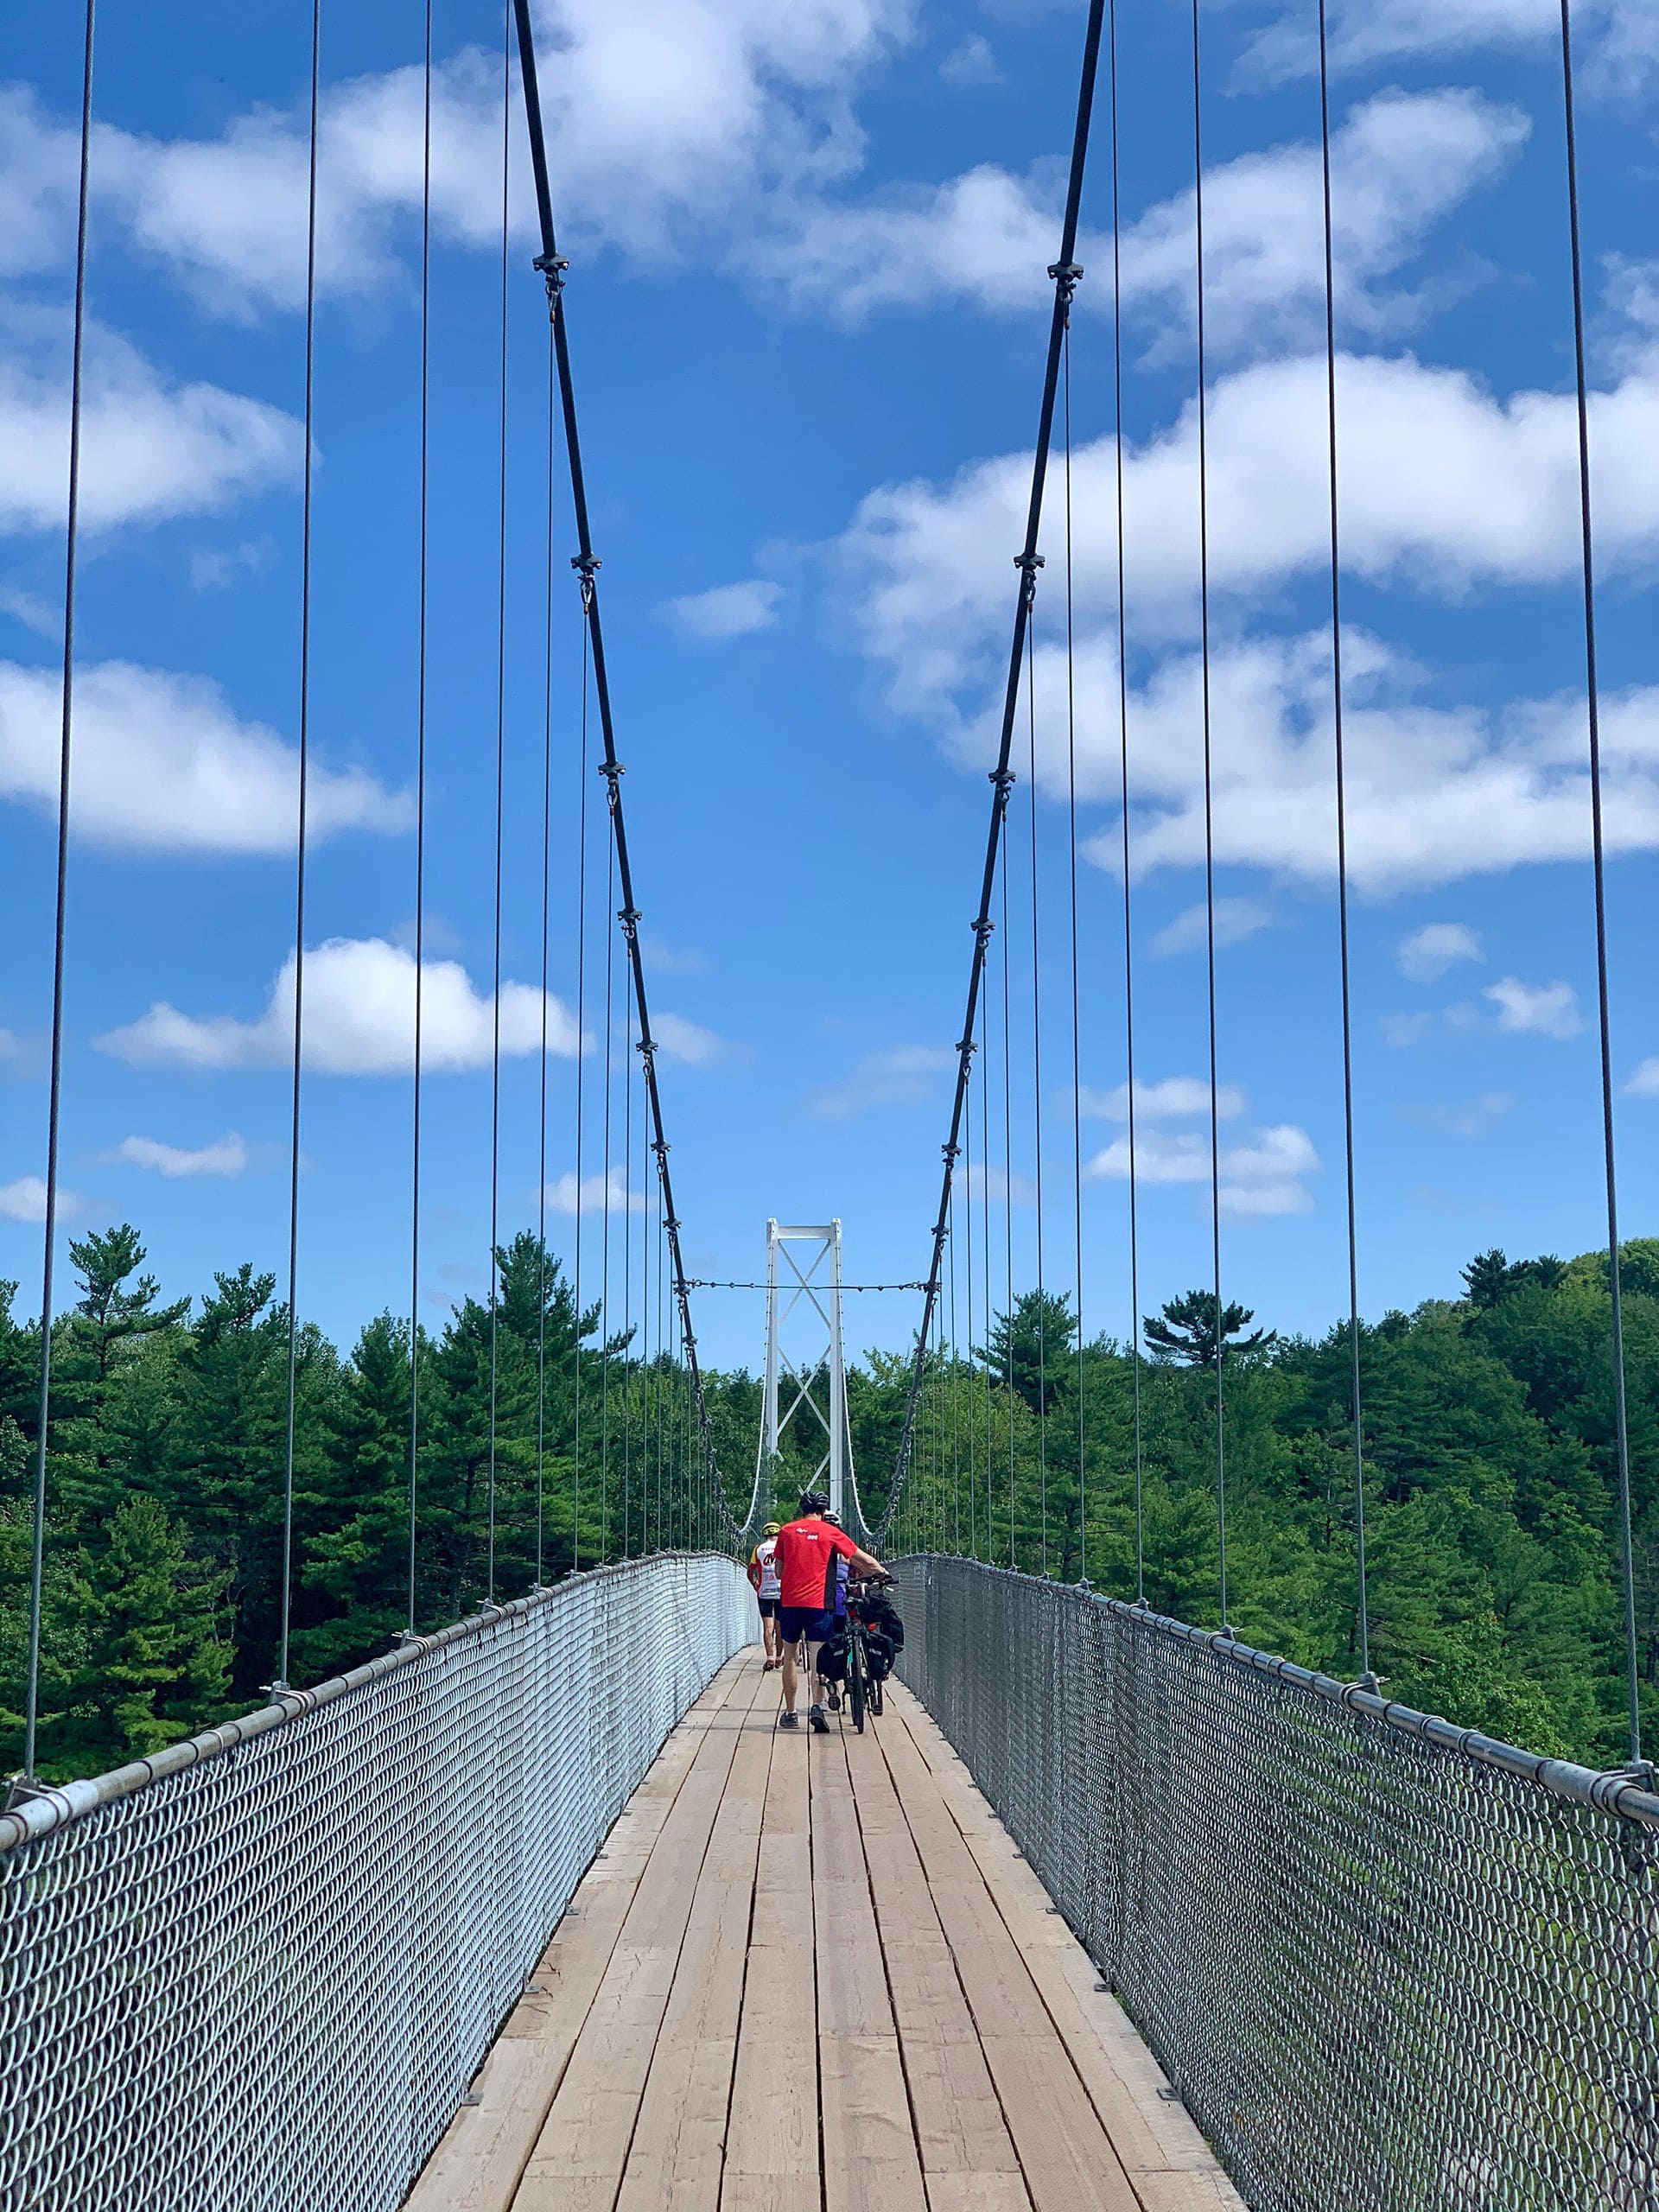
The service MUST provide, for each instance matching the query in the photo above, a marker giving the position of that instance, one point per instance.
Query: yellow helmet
(772, 1528)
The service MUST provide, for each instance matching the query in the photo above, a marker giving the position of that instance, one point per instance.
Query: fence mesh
(263, 1977)
(1386, 1963)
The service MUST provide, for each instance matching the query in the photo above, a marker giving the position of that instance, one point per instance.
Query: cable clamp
(1066, 275)
(659, 1145)
(611, 769)
(551, 268)
(969, 1045)
(1005, 779)
(629, 917)
(1028, 564)
(950, 1151)
(587, 566)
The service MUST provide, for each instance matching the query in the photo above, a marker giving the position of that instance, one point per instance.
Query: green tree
(1186, 1330)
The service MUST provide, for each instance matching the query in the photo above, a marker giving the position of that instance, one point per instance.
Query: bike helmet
(772, 1528)
(832, 1516)
(813, 1501)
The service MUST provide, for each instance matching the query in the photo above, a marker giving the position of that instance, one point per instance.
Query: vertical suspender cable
(299, 873)
(956, 1404)
(627, 1266)
(420, 825)
(582, 1055)
(605, 1227)
(1123, 748)
(500, 795)
(543, 1271)
(1593, 697)
(967, 1257)
(1007, 1185)
(1077, 1023)
(1065, 273)
(985, 1246)
(1037, 1112)
(1208, 818)
(1363, 1601)
(37, 1555)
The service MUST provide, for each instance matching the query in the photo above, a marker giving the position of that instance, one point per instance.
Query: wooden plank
(1064, 2154)
(1152, 2136)
(679, 2138)
(870, 2161)
(579, 2156)
(477, 2165)
(960, 2130)
(771, 2142)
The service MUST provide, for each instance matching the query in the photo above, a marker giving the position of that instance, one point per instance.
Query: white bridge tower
(804, 1351)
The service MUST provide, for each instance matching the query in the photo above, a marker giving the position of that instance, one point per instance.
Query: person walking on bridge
(809, 1552)
(763, 1575)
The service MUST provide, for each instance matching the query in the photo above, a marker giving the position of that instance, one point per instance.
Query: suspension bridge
(539, 1909)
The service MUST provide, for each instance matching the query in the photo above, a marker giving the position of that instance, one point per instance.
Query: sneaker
(788, 1720)
(835, 1699)
(816, 1716)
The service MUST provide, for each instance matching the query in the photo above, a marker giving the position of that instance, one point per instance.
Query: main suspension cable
(1363, 1598)
(1065, 273)
(287, 1594)
(552, 266)
(1593, 699)
(72, 540)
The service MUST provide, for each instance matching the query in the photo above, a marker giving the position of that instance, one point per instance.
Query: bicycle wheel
(855, 1679)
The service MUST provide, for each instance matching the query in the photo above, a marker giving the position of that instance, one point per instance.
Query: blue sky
(807, 311)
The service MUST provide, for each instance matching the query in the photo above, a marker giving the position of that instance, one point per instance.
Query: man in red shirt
(805, 1560)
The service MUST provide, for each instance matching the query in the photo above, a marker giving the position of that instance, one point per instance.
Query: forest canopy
(1490, 1483)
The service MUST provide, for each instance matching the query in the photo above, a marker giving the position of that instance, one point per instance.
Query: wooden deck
(812, 1974)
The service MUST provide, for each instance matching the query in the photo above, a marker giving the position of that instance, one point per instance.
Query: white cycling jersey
(766, 1558)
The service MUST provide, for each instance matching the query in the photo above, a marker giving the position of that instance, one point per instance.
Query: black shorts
(795, 1622)
(768, 1608)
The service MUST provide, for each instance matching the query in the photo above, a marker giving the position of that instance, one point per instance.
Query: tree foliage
(1489, 1482)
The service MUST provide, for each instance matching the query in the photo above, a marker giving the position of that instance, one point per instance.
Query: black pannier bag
(879, 1652)
(832, 1658)
(881, 1618)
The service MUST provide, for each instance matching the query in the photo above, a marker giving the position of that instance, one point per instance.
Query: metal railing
(1388, 1965)
(258, 1970)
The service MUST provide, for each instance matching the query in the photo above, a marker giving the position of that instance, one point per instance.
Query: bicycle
(863, 1688)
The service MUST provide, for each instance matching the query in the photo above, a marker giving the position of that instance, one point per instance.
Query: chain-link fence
(258, 1971)
(1387, 1964)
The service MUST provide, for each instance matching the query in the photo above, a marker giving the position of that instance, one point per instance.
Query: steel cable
(1077, 1022)
(1208, 817)
(1064, 273)
(582, 1055)
(544, 1272)
(1123, 748)
(1342, 854)
(1592, 702)
(286, 1593)
(1037, 1111)
(54, 1097)
(420, 825)
(605, 1225)
(500, 802)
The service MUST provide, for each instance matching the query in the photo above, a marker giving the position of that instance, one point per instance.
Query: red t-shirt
(806, 1561)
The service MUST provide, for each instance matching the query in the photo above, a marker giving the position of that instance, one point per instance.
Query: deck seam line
(748, 1952)
(1061, 2036)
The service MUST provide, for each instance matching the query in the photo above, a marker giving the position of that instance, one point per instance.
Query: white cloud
(162, 764)
(600, 1194)
(1236, 920)
(25, 1199)
(727, 611)
(687, 1041)
(1620, 36)
(972, 63)
(974, 1183)
(1547, 1010)
(1264, 1175)
(215, 568)
(1401, 1030)
(359, 1019)
(1429, 952)
(1644, 1081)
(151, 449)
(228, 1156)
(900, 1077)
(1446, 488)
(1400, 163)
(1176, 1097)
(666, 120)
(1471, 1117)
